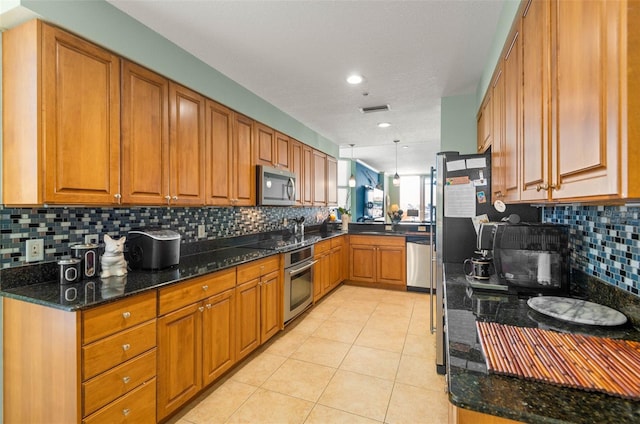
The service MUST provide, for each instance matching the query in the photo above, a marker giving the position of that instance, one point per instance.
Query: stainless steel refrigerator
(462, 187)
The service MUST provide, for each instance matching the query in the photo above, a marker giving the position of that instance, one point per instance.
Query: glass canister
(88, 253)
(69, 270)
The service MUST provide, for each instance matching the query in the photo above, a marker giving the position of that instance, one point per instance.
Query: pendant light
(352, 178)
(396, 178)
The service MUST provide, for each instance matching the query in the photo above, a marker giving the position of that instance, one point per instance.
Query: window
(344, 168)
(415, 197)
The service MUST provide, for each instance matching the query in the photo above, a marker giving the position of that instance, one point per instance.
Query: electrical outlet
(35, 250)
(285, 222)
(201, 231)
(91, 239)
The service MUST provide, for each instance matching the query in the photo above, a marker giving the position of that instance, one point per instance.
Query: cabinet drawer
(113, 317)
(182, 294)
(114, 383)
(378, 240)
(137, 406)
(337, 241)
(255, 269)
(114, 350)
(321, 246)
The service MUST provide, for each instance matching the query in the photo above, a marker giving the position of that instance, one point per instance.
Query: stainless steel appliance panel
(418, 263)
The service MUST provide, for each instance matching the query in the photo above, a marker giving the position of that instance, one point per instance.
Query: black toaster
(152, 248)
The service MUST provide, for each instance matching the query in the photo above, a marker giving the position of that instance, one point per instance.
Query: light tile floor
(361, 355)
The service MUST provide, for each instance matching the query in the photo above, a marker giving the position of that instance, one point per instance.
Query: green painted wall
(458, 123)
(107, 26)
(507, 16)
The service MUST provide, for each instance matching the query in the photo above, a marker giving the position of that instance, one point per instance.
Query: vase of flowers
(395, 213)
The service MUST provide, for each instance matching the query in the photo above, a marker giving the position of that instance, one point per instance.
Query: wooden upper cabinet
(283, 145)
(266, 151)
(296, 161)
(586, 141)
(230, 170)
(332, 181)
(484, 124)
(535, 33)
(308, 175)
(512, 117)
(145, 135)
(186, 146)
(245, 170)
(61, 126)
(319, 178)
(497, 144)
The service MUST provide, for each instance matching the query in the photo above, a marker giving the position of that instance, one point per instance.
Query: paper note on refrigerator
(460, 201)
(456, 165)
(476, 163)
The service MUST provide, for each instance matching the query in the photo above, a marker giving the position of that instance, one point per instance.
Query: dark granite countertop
(93, 292)
(472, 387)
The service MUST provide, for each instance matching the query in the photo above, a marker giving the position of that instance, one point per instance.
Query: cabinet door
(484, 124)
(308, 175)
(497, 145)
(219, 148)
(81, 118)
(186, 146)
(391, 265)
(363, 263)
(335, 267)
(535, 88)
(145, 136)
(265, 145)
(218, 335)
(245, 170)
(319, 178)
(270, 310)
(179, 357)
(248, 317)
(332, 181)
(283, 144)
(585, 99)
(295, 166)
(512, 117)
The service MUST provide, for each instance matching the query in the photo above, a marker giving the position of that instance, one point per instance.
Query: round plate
(577, 311)
(500, 206)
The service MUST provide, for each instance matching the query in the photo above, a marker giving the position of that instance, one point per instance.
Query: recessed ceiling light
(405, 147)
(384, 125)
(355, 79)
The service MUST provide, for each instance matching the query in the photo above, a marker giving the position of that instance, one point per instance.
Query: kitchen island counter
(472, 387)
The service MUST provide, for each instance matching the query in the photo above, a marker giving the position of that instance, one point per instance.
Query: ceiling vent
(383, 108)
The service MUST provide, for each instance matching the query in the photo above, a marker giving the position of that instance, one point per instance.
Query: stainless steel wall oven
(298, 281)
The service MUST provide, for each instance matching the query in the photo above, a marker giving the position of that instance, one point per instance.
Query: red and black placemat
(585, 362)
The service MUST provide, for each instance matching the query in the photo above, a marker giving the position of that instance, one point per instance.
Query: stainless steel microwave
(276, 187)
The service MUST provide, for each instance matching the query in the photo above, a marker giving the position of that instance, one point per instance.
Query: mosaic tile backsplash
(603, 241)
(63, 227)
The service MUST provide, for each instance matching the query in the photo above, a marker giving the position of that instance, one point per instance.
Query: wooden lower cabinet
(467, 416)
(194, 341)
(378, 260)
(99, 369)
(258, 305)
(329, 270)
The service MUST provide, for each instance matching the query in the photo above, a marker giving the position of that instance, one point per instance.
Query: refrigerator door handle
(432, 326)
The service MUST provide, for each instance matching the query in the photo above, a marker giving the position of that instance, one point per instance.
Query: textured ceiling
(297, 54)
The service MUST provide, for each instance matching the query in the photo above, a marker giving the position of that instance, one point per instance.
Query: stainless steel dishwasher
(418, 263)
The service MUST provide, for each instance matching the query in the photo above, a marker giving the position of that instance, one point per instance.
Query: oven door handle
(302, 268)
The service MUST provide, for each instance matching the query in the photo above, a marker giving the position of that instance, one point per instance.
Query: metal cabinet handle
(542, 187)
(555, 187)
(208, 305)
(174, 198)
(126, 379)
(126, 411)
(126, 347)
(168, 199)
(117, 196)
(126, 315)
(201, 308)
(205, 287)
(498, 193)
